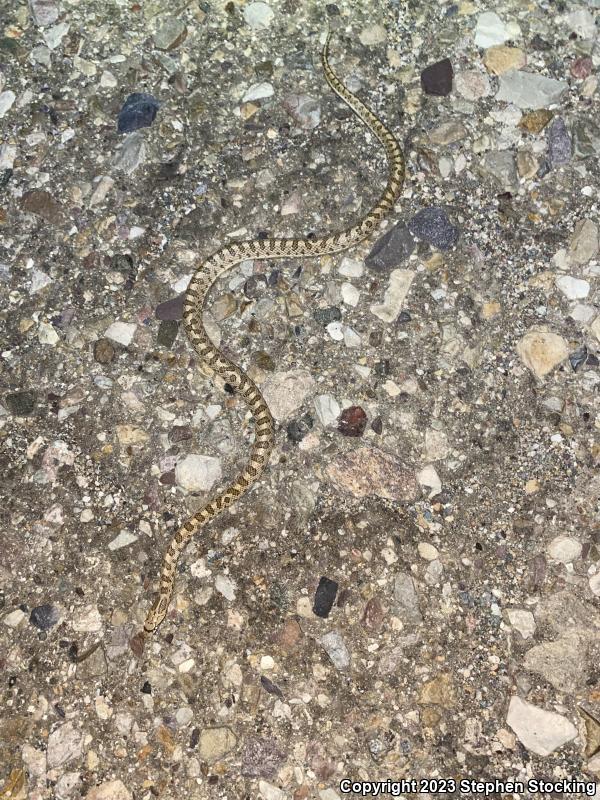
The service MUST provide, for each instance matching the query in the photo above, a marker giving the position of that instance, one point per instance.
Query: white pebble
(47, 334)
(564, 549)
(258, 15)
(197, 472)
(258, 91)
(427, 551)
(122, 540)
(14, 618)
(6, 100)
(121, 332)
(573, 288)
(350, 294)
(225, 586)
(327, 409)
(336, 331)
(351, 268)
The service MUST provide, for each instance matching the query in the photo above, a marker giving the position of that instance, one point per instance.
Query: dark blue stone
(433, 226)
(44, 617)
(324, 597)
(139, 111)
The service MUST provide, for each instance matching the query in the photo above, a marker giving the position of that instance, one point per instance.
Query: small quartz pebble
(436, 79)
(542, 350)
(258, 91)
(540, 731)
(225, 586)
(258, 15)
(336, 649)
(564, 549)
(582, 22)
(44, 12)
(171, 34)
(395, 295)
(374, 34)
(285, 391)
(427, 551)
(269, 791)
(6, 101)
(522, 621)
(500, 59)
(198, 473)
(121, 332)
(327, 409)
(351, 268)
(14, 618)
(584, 242)
(429, 478)
(65, 744)
(529, 90)
(109, 790)
(132, 153)
(572, 288)
(490, 30)
(472, 84)
(123, 539)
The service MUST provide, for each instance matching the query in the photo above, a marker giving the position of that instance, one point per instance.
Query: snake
(235, 378)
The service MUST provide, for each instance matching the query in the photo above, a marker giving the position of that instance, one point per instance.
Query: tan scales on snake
(197, 292)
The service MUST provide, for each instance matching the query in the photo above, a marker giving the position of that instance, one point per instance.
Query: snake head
(157, 613)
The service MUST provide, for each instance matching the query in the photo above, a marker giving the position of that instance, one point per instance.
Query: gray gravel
(435, 391)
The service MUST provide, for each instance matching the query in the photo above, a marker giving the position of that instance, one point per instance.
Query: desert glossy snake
(197, 292)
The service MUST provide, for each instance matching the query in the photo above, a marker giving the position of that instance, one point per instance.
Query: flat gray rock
(529, 90)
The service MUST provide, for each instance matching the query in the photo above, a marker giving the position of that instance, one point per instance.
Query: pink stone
(581, 67)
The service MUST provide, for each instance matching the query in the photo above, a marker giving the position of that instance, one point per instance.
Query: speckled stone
(22, 403)
(559, 143)
(433, 226)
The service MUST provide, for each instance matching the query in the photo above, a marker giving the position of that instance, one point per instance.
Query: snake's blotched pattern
(195, 297)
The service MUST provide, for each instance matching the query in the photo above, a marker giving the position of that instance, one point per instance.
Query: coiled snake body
(198, 289)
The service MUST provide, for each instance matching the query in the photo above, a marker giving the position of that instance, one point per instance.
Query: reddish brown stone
(136, 643)
(42, 204)
(353, 421)
(289, 636)
(373, 615)
(582, 67)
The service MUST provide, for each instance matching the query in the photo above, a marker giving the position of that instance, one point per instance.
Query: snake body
(195, 298)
